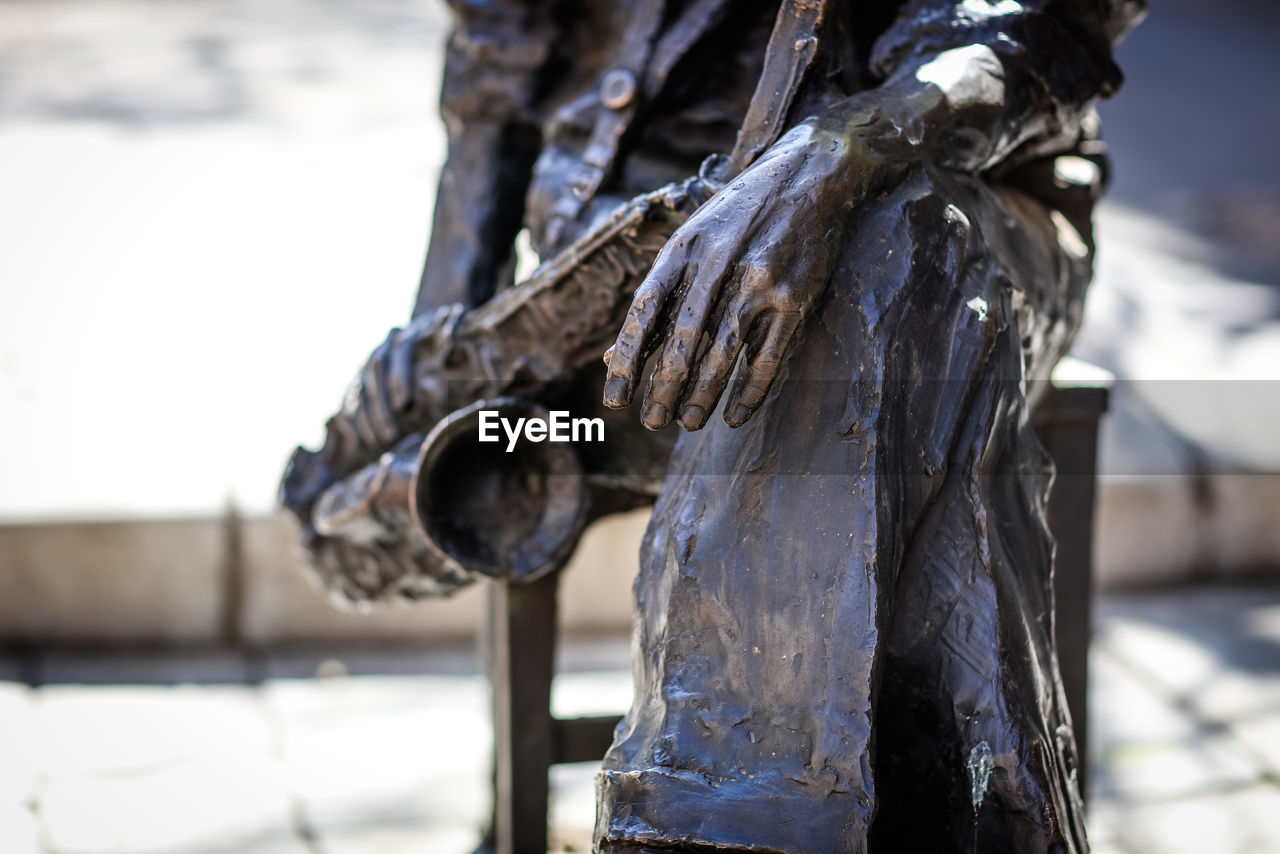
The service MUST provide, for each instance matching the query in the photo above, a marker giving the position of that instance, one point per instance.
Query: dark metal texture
(1067, 424)
(844, 609)
(350, 497)
(521, 341)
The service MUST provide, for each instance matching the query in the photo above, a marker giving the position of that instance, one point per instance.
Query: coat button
(617, 89)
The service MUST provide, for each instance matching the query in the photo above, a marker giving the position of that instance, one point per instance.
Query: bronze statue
(834, 241)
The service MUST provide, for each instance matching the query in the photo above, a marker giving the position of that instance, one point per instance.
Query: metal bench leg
(1069, 432)
(522, 626)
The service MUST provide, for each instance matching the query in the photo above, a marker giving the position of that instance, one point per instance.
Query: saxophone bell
(511, 515)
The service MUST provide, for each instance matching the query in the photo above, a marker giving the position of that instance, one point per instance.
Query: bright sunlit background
(211, 210)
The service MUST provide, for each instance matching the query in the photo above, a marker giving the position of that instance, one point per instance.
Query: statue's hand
(739, 277)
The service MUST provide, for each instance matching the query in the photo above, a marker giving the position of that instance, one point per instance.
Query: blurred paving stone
(119, 731)
(19, 754)
(1163, 656)
(1106, 846)
(1239, 822)
(158, 769)
(391, 763)
(1170, 673)
(1262, 736)
(365, 750)
(1152, 772)
(1143, 748)
(19, 830)
(228, 803)
(1237, 693)
(1215, 650)
(1123, 711)
(436, 837)
(274, 844)
(1101, 817)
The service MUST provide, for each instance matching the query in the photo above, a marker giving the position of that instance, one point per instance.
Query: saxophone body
(401, 501)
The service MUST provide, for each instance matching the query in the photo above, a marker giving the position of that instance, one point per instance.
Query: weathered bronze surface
(844, 617)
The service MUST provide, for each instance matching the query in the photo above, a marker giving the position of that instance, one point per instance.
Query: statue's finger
(765, 348)
(369, 438)
(684, 334)
(714, 367)
(341, 441)
(630, 349)
(400, 370)
(375, 400)
(356, 414)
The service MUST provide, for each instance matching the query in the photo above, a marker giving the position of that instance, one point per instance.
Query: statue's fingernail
(616, 391)
(655, 416)
(692, 416)
(737, 415)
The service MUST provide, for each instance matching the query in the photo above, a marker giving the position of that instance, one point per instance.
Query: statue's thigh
(792, 529)
(769, 570)
(974, 750)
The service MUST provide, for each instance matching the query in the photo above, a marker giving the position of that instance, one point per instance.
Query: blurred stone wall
(227, 581)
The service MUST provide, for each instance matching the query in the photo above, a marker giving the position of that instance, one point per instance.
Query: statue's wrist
(894, 125)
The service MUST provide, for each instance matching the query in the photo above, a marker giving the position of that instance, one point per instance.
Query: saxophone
(418, 520)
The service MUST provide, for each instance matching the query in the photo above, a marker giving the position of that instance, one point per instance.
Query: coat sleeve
(1056, 58)
(496, 65)
(495, 59)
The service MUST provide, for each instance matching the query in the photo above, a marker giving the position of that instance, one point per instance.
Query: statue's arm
(966, 84)
(495, 67)
(984, 81)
